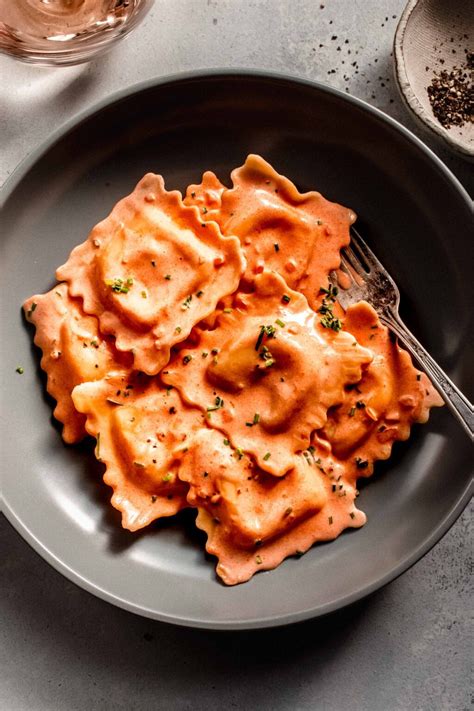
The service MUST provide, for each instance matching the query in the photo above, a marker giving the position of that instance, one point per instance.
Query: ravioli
(391, 396)
(298, 235)
(269, 371)
(151, 270)
(254, 520)
(142, 431)
(73, 352)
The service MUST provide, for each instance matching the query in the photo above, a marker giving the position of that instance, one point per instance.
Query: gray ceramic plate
(413, 212)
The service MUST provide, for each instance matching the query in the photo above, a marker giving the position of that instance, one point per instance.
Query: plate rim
(63, 567)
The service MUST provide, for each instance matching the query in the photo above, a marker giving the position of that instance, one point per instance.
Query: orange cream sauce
(151, 270)
(274, 400)
(73, 349)
(298, 235)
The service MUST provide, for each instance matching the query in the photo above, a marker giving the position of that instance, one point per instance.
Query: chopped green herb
(178, 329)
(352, 514)
(199, 293)
(20, 370)
(328, 320)
(193, 194)
(218, 403)
(258, 559)
(186, 359)
(418, 377)
(334, 487)
(205, 354)
(330, 520)
(205, 474)
(268, 331)
(352, 411)
(153, 498)
(167, 277)
(144, 295)
(280, 323)
(187, 302)
(226, 442)
(167, 477)
(204, 210)
(286, 299)
(288, 511)
(97, 447)
(361, 463)
(139, 465)
(119, 286)
(360, 404)
(30, 310)
(153, 263)
(228, 311)
(239, 452)
(276, 247)
(267, 456)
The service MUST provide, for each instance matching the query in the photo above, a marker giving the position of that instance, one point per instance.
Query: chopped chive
(418, 377)
(286, 299)
(153, 498)
(205, 354)
(144, 295)
(218, 403)
(186, 359)
(226, 442)
(167, 277)
(167, 477)
(20, 370)
(178, 329)
(256, 418)
(267, 456)
(228, 311)
(199, 293)
(288, 511)
(276, 247)
(352, 514)
(360, 404)
(187, 302)
(153, 263)
(361, 463)
(330, 520)
(33, 307)
(352, 412)
(280, 323)
(139, 465)
(258, 559)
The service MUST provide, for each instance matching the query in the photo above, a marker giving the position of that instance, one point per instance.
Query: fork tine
(346, 267)
(355, 263)
(364, 250)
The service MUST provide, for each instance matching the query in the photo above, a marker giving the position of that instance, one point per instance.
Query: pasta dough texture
(200, 342)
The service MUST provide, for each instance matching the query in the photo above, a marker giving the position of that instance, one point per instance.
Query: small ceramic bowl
(65, 32)
(432, 36)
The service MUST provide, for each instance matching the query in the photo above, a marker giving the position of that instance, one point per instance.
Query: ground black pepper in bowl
(451, 94)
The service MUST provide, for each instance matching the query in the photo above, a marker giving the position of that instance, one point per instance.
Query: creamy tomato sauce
(202, 346)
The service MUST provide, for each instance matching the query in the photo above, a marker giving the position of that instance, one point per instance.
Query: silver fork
(370, 281)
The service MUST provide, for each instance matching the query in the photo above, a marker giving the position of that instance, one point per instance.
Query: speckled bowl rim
(61, 566)
(407, 94)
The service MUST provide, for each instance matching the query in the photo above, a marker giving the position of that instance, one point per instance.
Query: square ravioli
(298, 235)
(151, 270)
(142, 430)
(74, 351)
(267, 374)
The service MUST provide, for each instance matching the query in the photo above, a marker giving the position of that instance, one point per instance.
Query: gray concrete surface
(406, 647)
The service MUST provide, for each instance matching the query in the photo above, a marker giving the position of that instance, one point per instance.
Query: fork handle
(453, 397)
